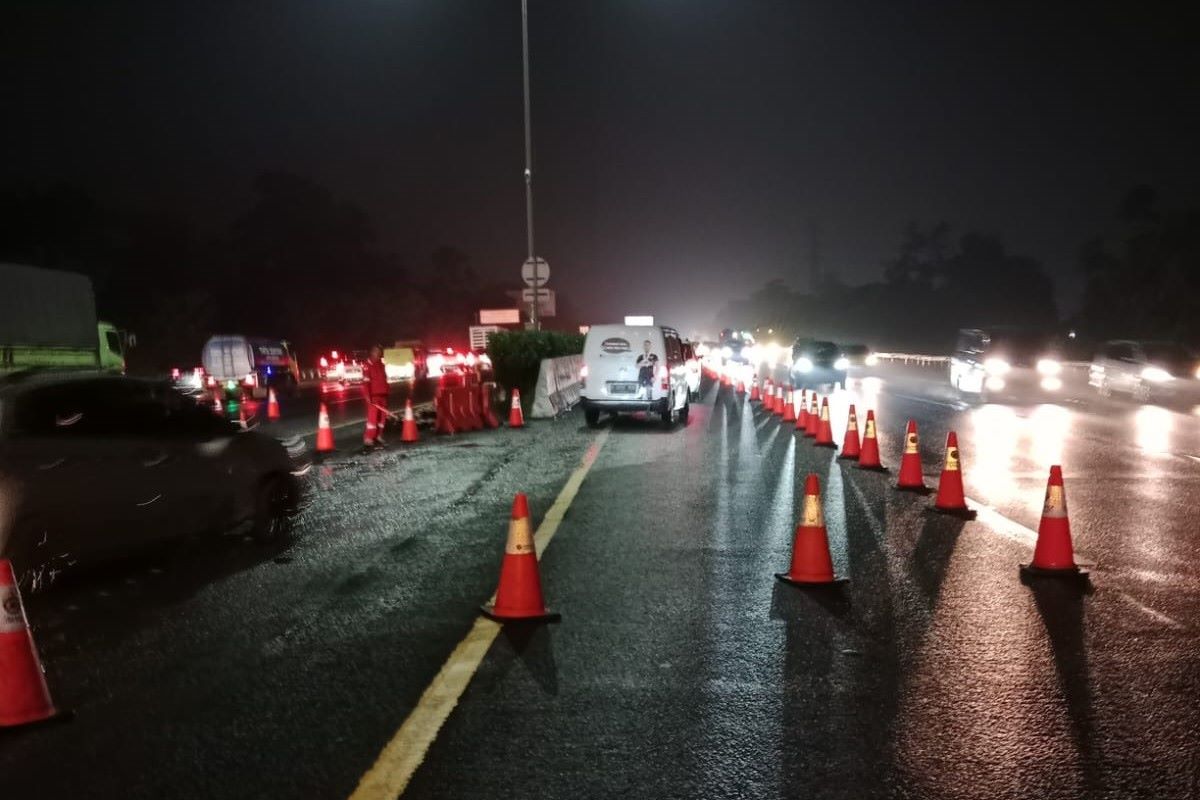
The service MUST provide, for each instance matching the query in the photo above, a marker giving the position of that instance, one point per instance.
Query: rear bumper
(626, 405)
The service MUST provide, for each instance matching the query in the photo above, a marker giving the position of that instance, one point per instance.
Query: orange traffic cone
(741, 387)
(851, 447)
(911, 479)
(443, 407)
(755, 396)
(768, 400)
(950, 496)
(1053, 555)
(24, 696)
(272, 405)
(811, 563)
(242, 416)
(515, 418)
(824, 429)
(814, 417)
(802, 415)
(324, 432)
(408, 428)
(868, 457)
(519, 594)
(789, 405)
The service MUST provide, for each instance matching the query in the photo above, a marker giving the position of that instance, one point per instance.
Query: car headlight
(1198, 373)
(802, 365)
(727, 352)
(996, 366)
(1156, 375)
(872, 360)
(1048, 366)
(842, 363)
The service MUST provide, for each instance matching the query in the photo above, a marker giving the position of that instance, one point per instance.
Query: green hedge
(517, 355)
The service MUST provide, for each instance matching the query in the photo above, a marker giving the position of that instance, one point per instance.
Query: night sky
(684, 150)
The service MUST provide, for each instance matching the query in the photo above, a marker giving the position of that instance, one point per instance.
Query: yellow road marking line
(398, 761)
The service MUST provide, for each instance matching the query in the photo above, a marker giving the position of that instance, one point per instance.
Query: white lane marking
(1017, 532)
(400, 758)
(1145, 609)
(876, 523)
(1193, 458)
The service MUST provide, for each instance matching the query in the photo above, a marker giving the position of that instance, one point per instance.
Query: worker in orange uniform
(375, 391)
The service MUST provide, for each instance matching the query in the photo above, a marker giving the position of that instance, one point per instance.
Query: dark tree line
(299, 264)
(933, 286)
(1142, 281)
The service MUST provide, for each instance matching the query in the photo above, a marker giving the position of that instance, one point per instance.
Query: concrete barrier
(558, 386)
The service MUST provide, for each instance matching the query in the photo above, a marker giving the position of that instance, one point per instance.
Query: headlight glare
(1048, 366)
(996, 366)
(803, 365)
(842, 363)
(1156, 375)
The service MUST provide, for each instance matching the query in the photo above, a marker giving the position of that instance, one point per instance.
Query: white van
(634, 368)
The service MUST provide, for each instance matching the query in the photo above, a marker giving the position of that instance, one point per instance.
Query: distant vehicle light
(583, 371)
(250, 379)
(1156, 375)
(842, 363)
(175, 373)
(485, 359)
(334, 355)
(802, 364)
(1197, 373)
(1048, 367)
(872, 360)
(1051, 383)
(996, 366)
(727, 352)
(324, 362)
(702, 350)
(994, 384)
(470, 359)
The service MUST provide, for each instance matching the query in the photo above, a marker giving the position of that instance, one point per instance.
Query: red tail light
(324, 362)
(583, 376)
(665, 374)
(334, 354)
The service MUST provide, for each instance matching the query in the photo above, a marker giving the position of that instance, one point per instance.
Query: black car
(815, 363)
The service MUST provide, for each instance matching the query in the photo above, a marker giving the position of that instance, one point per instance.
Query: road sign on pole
(535, 272)
(545, 301)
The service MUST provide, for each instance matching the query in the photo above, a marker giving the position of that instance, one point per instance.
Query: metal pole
(529, 164)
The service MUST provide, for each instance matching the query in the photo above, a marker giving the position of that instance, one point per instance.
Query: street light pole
(529, 165)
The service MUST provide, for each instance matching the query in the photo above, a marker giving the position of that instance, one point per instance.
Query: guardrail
(925, 360)
(913, 358)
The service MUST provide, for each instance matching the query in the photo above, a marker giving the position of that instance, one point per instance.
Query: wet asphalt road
(681, 667)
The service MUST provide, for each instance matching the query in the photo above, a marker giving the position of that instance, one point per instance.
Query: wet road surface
(681, 668)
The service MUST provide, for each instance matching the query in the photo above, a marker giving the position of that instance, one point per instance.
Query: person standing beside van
(647, 366)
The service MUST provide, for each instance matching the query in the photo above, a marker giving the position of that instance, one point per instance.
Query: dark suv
(816, 362)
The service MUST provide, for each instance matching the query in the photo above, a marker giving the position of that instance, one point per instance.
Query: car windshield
(1023, 344)
(1167, 353)
(821, 350)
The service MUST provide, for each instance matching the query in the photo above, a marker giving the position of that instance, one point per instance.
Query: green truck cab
(48, 321)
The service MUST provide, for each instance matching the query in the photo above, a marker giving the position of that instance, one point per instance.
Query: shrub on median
(517, 355)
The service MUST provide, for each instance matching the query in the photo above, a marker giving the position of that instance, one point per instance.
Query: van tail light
(665, 374)
(583, 371)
